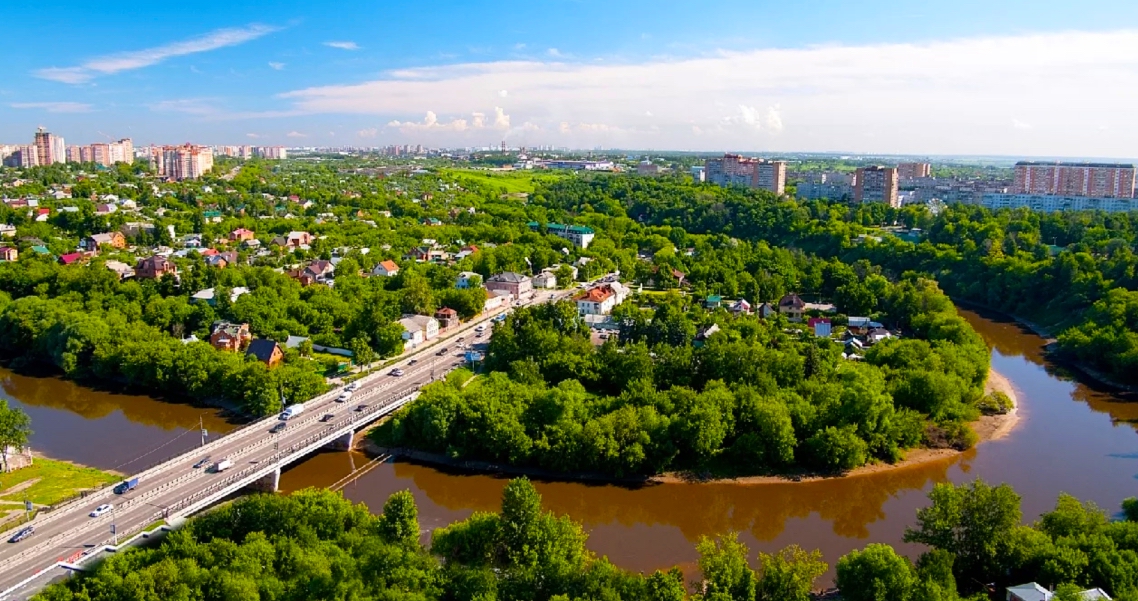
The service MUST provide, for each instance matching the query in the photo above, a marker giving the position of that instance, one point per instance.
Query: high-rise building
(736, 170)
(1093, 180)
(74, 154)
(49, 148)
(86, 154)
(272, 152)
(876, 184)
(187, 161)
(907, 171)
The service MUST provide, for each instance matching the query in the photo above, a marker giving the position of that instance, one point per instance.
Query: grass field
(48, 482)
(509, 182)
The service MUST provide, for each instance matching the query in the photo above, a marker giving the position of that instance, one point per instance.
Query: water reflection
(108, 430)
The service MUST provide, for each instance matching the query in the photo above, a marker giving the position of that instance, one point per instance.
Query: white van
(292, 411)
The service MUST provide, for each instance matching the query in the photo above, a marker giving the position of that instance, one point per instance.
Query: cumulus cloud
(54, 107)
(370, 132)
(252, 135)
(277, 66)
(345, 45)
(137, 59)
(296, 134)
(431, 122)
(954, 92)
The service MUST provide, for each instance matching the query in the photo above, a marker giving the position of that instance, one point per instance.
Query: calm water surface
(1070, 438)
(107, 430)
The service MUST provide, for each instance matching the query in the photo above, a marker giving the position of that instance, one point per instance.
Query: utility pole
(201, 426)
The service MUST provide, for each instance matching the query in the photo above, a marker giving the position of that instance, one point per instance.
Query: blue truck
(126, 486)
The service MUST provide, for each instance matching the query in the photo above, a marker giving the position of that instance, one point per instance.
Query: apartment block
(907, 171)
(736, 170)
(187, 161)
(1091, 180)
(49, 148)
(876, 184)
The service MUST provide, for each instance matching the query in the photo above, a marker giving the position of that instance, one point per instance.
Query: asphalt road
(68, 531)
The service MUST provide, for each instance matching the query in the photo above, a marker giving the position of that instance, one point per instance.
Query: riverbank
(987, 428)
(47, 482)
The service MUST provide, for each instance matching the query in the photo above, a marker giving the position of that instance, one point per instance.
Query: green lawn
(55, 481)
(509, 182)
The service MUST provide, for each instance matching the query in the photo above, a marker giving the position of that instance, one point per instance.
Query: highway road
(67, 532)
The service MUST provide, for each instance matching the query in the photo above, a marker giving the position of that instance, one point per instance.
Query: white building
(468, 279)
(579, 235)
(418, 329)
(600, 300)
(545, 280)
(1049, 204)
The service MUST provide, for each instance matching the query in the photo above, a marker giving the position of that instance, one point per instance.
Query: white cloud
(503, 93)
(343, 45)
(54, 107)
(296, 134)
(555, 53)
(370, 132)
(252, 135)
(189, 106)
(954, 93)
(137, 59)
(277, 66)
(431, 122)
(519, 46)
(1016, 123)
(501, 119)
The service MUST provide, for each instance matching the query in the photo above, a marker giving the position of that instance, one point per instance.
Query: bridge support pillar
(345, 442)
(270, 482)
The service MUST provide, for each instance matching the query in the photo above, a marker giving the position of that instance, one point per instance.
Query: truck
(222, 465)
(126, 486)
(292, 411)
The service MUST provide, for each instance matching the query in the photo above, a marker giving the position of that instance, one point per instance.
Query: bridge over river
(66, 536)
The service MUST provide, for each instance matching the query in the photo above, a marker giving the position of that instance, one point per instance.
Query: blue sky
(967, 77)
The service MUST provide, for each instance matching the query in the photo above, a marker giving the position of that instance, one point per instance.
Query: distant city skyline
(1029, 79)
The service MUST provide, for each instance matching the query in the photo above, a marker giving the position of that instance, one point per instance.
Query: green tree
(15, 429)
(875, 574)
(789, 575)
(399, 523)
(726, 574)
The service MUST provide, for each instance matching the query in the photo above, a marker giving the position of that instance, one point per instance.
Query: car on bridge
(354, 386)
(328, 417)
(397, 372)
(204, 461)
(412, 362)
(442, 352)
(344, 396)
(361, 408)
(101, 509)
(22, 534)
(278, 428)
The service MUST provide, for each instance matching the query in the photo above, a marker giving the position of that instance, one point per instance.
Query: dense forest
(316, 545)
(758, 396)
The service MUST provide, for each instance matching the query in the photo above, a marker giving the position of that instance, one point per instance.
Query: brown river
(1071, 437)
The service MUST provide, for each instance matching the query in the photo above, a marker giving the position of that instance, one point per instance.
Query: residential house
(103, 210)
(792, 306)
(545, 280)
(7, 230)
(431, 221)
(251, 243)
(496, 299)
(704, 333)
(679, 275)
(153, 268)
(121, 269)
(1033, 592)
(7, 253)
(740, 307)
(447, 318)
(468, 279)
(418, 329)
(266, 351)
(226, 336)
(42, 215)
(877, 335)
(858, 325)
(821, 326)
(514, 283)
(71, 258)
(241, 235)
(132, 229)
(765, 310)
(596, 301)
(208, 295)
(294, 240)
(427, 254)
(713, 301)
(386, 268)
(315, 272)
(95, 241)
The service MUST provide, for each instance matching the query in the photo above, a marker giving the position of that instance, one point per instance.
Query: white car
(101, 509)
(344, 396)
(354, 386)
